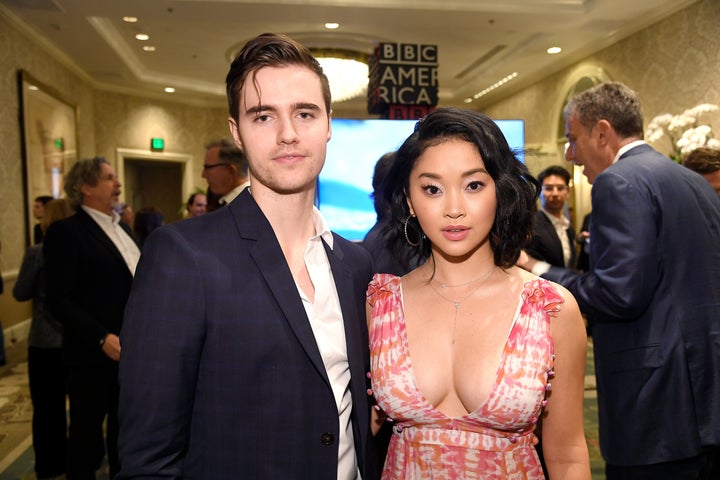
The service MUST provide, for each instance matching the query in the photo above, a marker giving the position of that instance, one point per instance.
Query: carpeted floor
(16, 453)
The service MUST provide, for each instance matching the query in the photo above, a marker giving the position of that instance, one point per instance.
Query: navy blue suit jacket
(654, 294)
(220, 374)
(545, 244)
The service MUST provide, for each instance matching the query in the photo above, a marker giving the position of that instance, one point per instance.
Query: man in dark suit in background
(90, 259)
(245, 348)
(653, 291)
(553, 238)
(226, 170)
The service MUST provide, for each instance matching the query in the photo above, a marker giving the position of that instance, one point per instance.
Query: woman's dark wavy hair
(515, 188)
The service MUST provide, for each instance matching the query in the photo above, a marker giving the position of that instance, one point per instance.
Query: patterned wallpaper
(674, 65)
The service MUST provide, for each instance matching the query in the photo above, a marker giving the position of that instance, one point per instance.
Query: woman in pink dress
(465, 347)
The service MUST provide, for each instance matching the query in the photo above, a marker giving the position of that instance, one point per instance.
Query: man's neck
(100, 208)
(554, 213)
(291, 215)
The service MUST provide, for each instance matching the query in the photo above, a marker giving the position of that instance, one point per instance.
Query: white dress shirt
(124, 243)
(561, 226)
(327, 324)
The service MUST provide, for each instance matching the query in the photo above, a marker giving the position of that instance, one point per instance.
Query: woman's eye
(475, 186)
(431, 189)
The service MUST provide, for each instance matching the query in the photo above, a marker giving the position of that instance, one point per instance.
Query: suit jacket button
(327, 438)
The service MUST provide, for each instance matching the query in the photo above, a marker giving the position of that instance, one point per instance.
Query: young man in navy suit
(653, 291)
(245, 349)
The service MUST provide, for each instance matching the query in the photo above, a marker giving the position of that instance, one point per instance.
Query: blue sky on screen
(345, 183)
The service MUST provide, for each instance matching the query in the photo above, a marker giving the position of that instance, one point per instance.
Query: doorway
(155, 179)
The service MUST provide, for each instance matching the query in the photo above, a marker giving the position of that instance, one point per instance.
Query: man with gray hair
(90, 260)
(225, 169)
(653, 291)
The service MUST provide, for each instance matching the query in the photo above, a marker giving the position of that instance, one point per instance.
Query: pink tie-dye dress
(493, 442)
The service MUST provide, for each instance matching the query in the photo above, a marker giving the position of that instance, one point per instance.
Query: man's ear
(235, 132)
(329, 135)
(604, 131)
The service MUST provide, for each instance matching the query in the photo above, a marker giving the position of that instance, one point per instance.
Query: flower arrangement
(684, 131)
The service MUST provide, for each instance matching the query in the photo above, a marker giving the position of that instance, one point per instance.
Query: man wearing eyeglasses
(553, 237)
(225, 169)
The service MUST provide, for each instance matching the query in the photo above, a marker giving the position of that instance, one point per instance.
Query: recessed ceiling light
(332, 25)
(130, 19)
(32, 87)
(148, 48)
(554, 50)
(169, 89)
(142, 36)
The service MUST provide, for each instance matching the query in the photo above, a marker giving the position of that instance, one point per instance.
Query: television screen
(345, 183)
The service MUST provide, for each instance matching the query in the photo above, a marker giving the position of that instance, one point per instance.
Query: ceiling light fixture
(130, 19)
(554, 50)
(347, 72)
(492, 87)
(142, 36)
(169, 89)
(332, 25)
(148, 48)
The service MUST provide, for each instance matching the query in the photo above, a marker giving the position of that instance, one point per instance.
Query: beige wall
(674, 65)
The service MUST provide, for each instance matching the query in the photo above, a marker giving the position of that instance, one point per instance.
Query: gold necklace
(456, 303)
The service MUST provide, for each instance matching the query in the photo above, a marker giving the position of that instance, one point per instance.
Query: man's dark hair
(703, 160)
(269, 50)
(44, 199)
(555, 170)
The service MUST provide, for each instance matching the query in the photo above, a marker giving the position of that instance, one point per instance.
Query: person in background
(38, 211)
(653, 291)
(46, 372)
(127, 215)
(706, 162)
(90, 260)
(553, 238)
(225, 169)
(464, 347)
(583, 240)
(196, 205)
(384, 260)
(146, 220)
(244, 342)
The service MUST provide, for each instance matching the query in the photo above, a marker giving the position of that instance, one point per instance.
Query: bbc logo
(407, 53)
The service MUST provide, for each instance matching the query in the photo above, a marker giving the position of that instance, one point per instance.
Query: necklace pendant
(457, 305)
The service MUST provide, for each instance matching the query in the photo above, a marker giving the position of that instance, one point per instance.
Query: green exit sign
(157, 144)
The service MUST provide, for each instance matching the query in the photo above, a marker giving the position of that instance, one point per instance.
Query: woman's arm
(563, 439)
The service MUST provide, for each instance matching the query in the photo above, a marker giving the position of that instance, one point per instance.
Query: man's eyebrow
(257, 109)
(306, 106)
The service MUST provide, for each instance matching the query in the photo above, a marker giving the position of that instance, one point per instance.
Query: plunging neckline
(411, 369)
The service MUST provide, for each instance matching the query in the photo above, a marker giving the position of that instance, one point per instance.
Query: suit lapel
(270, 261)
(94, 230)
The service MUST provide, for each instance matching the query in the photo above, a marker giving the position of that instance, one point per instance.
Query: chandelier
(347, 72)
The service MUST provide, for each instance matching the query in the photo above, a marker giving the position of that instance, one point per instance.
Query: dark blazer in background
(87, 285)
(545, 244)
(220, 374)
(654, 294)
